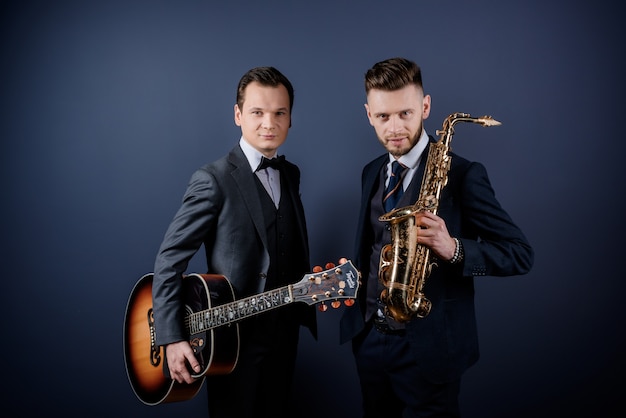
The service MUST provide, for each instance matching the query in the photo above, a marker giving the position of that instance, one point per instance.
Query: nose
(395, 125)
(268, 121)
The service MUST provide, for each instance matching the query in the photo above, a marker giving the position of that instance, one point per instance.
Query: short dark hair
(266, 76)
(393, 74)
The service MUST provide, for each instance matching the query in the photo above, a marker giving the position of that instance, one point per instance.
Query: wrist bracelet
(458, 252)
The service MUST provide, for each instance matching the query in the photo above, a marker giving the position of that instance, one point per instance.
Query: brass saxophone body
(404, 264)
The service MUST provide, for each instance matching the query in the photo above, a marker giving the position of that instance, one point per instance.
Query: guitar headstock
(334, 284)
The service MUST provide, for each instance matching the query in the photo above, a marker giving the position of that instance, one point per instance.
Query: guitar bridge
(155, 353)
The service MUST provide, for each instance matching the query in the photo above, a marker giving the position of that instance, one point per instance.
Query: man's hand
(179, 355)
(433, 233)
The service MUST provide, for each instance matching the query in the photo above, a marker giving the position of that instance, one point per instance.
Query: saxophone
(404, 264)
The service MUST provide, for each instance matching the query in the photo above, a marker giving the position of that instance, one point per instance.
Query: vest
(284, 244)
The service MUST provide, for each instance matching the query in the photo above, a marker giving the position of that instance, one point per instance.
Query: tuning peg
(323, 307)
(335, 304)
(330, 266)
(317, 269)
(343, 260)
(348, 302)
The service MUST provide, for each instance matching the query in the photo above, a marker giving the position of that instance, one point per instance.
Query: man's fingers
(180, 356)
(193, 363)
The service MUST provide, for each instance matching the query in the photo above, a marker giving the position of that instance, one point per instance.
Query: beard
(398, 150)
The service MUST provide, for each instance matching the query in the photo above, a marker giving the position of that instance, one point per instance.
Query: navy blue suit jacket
(445, 343)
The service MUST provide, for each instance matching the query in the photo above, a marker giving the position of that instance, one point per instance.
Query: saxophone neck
(447, 129)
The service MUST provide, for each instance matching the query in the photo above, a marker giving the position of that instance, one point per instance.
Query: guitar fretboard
(238, 310)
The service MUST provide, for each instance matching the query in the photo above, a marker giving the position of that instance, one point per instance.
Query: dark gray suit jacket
(445, 343)
(221, 210)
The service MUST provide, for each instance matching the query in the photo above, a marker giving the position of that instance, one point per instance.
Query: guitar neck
(238, 310)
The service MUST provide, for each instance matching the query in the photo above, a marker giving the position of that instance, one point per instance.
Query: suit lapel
(370, 179)
(244, 179)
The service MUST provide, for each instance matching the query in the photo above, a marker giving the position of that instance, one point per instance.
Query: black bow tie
(275, 162)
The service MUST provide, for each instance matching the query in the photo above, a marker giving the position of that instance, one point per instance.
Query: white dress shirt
(270, 177)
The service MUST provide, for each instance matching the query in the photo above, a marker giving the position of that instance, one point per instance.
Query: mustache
(397, 136)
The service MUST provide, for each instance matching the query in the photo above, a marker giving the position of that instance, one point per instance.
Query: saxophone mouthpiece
(488, 121)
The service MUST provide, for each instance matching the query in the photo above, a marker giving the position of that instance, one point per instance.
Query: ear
(426, 109)
(237, 115)
(369, 115)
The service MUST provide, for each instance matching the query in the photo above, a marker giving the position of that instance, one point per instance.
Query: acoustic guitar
(211, 322)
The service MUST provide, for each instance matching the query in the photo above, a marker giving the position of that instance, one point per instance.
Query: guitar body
(216, 349)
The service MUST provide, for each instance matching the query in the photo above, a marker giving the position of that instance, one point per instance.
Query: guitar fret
(235, 311)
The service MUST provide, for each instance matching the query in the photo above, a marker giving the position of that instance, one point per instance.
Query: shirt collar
(252, 154)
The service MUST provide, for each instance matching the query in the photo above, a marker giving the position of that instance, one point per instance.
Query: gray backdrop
(106, 108)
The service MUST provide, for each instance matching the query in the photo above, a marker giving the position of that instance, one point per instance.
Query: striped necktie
(394, 190)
